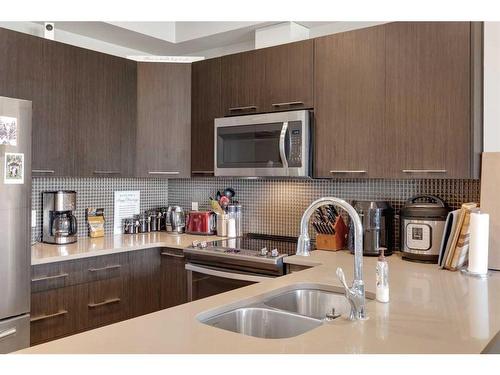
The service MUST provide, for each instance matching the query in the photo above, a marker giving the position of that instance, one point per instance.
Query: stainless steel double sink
(284, 314)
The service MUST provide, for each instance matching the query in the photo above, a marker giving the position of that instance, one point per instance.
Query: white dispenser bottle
(382, 289)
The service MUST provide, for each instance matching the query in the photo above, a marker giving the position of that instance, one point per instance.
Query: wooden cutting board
(490, 203)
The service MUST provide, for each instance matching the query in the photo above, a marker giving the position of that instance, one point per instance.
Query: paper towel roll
(478, 245)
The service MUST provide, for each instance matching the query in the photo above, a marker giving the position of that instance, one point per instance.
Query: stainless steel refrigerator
(15, 218)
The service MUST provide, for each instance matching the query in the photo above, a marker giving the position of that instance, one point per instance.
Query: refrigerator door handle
(7, 333)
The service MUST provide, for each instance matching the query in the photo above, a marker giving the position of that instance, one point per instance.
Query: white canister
(478, 245)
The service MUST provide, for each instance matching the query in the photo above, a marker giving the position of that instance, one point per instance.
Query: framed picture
(8, 131)
(14, 168)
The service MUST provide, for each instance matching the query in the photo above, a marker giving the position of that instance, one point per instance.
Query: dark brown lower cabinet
(78, 295)
(173, 278)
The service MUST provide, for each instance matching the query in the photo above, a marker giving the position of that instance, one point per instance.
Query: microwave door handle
(226, 275)
(283, 157)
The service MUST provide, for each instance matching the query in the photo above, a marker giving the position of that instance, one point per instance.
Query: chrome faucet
(356, 293)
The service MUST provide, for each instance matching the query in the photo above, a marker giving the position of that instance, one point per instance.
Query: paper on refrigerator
(127, 204)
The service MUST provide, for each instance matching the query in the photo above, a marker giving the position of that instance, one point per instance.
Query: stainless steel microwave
(270, 144)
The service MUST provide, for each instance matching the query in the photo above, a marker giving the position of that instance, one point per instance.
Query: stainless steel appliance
(422, 225)
(201, 222)
(271, 144)
(59, 223)
(220, 266)
(177, 219)
(377, 218)
(15, 209)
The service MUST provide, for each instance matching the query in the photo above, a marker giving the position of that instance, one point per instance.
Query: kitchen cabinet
(349, 84)
(205, 107)
(429, 130)
(243, 83)
(164, 120)
(289, 76)
(144, 286)
(173, 278)
(106, 90)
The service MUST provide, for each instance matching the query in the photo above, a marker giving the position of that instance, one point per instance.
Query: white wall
(491, 86)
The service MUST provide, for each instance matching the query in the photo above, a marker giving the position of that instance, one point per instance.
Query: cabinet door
(54, 111)
(164, 120)
(173, 278)
(144, 288)
(349, 81)
(205, 107)
(243, 83)
(106, 116)
(289, 76)
(428, 99)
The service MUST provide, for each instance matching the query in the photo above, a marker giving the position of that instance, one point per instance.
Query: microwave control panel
(295, 156)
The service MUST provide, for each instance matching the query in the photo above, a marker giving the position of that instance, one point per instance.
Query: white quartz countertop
(42, 253)
(430, 311)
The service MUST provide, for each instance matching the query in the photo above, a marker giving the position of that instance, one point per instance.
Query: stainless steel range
(220, 266)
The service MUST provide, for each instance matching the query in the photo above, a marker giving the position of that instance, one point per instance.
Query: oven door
(205, 281)
(275, 144)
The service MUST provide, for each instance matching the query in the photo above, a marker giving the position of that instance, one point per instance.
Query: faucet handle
(341, 276)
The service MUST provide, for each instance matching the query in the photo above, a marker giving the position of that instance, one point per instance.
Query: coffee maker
(59, 223)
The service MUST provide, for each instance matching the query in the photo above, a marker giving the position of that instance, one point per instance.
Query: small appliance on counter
(377, 218)
(177, 219)
(423, 220)
(200, 222)
(59, 223)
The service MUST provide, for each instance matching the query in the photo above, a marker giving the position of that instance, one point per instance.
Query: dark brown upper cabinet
(205, 107)
(428, 112)
(243, 83)
(106, 92)
(163, 120)
(349, 83)
(289, 76)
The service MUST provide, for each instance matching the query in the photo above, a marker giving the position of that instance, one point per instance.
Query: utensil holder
(333, 242)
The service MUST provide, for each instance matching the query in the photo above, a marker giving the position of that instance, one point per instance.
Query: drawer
(102, 268)
(53, 275)
(106, 302)
(55, 313)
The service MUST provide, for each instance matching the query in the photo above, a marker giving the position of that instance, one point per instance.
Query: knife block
(333, 242)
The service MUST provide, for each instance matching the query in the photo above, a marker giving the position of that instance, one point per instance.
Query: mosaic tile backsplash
(274, 206)
(97, 192)
(270, 206)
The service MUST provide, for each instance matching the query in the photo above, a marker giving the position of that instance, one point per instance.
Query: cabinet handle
(107, 172)
(162, 172)
(42, 171)
(107, 302)
(105, 268)
(242, 108)
(172, 255)
(286, 104)
(202, 172)
(49, 277)
(7, 333)
(424, 170)
(347, 171)
(48, 316)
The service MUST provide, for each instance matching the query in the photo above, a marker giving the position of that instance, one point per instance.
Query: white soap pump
(382, 289)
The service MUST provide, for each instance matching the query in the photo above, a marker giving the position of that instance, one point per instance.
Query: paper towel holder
(483, 276)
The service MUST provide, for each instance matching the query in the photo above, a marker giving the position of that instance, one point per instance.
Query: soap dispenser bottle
(382, 289)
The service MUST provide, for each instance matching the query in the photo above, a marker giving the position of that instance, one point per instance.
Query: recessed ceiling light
(166, 59)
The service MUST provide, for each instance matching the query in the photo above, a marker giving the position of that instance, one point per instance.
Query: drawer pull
(242, 108)
(286, 104)
(172, 255)
(7, 333)
(42, 171)
(60, 276)
(202, 172)
(48, 316)
(105, 268)
(348, 171)
(107, 172)
(107, 302)
(424, 170)
(164, 172)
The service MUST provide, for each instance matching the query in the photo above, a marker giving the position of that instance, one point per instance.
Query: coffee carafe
(59, 223)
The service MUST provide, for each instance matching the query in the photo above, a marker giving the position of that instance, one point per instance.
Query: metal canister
(144, 223)
(128, 226)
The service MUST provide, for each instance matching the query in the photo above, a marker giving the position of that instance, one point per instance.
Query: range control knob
(275, 253)
(203, 244)
(195, 244)
(263, 251)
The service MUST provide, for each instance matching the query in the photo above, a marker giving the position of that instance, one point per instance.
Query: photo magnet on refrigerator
(14, 168)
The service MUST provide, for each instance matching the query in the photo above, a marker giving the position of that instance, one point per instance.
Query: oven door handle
(284, 160)
(227, 275)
